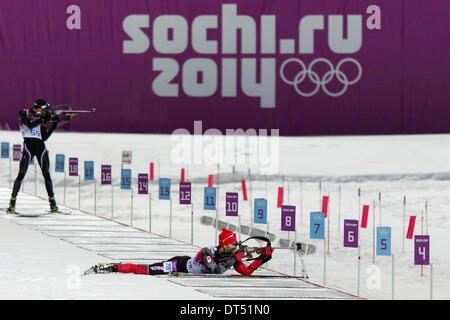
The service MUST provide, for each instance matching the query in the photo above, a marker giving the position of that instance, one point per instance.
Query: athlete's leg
(177, 264)
(44, 162)
(23, 168)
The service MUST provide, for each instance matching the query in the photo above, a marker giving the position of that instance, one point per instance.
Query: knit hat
(226, 237)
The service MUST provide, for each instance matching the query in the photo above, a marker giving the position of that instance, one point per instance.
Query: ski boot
(104, 268)
(12, 206)
(53, 207)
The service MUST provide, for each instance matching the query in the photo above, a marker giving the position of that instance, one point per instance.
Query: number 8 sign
(287, 218)
(317, 225)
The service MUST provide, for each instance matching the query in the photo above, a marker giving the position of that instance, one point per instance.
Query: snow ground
(414, 166)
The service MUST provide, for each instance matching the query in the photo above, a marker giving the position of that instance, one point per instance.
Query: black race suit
(34, 132)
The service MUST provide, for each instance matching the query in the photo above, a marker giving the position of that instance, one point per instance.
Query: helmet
(41, 103)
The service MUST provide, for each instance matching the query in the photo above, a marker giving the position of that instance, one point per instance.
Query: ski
(91, 270)
(208, 275)
(36, 214)
(60, 211)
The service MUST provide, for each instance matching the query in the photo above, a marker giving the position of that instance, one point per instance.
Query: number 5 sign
(422, 250)
(351, 233)
(383, 241)
(287, 218)
(317, 225)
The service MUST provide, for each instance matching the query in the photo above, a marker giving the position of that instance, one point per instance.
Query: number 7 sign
(317, 225)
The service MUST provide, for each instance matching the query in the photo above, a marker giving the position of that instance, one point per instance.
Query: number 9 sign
(260, 211)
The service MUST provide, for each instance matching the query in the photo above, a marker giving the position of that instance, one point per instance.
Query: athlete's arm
(240, 267)
(212, 266)
(29, 119)
(47, 133)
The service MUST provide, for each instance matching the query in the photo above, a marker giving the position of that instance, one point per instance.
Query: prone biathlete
(209, 260)
(33, 127)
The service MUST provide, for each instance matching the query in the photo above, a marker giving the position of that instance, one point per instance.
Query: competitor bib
(30, 133)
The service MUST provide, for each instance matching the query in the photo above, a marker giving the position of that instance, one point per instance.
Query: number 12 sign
(185, 193)
(317, 225)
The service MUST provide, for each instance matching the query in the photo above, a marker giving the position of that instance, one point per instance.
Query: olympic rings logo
(326, 78)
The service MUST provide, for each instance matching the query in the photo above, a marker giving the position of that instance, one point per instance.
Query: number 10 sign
(231, 203)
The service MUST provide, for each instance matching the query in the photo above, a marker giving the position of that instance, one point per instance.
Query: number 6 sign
(287, 218)
(351, 233)
(422, 250)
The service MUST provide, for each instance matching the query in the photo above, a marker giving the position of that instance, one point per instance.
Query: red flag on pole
(152, 177)
(325, 205)
(182, 174)
(412, 222)
(244, 190)
(365, 216)
(210, 180)
(280, 197)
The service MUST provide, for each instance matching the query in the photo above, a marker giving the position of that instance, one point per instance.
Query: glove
(47, 116)
(239, 255)
(266, 254)
(267, 251)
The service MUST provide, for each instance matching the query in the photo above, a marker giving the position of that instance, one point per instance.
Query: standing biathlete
(212, 260)
(33, 126)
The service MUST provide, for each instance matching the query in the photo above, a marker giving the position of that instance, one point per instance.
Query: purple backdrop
(404, 84)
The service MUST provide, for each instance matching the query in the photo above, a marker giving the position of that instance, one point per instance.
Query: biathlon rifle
(301, 249)
(66, 110)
